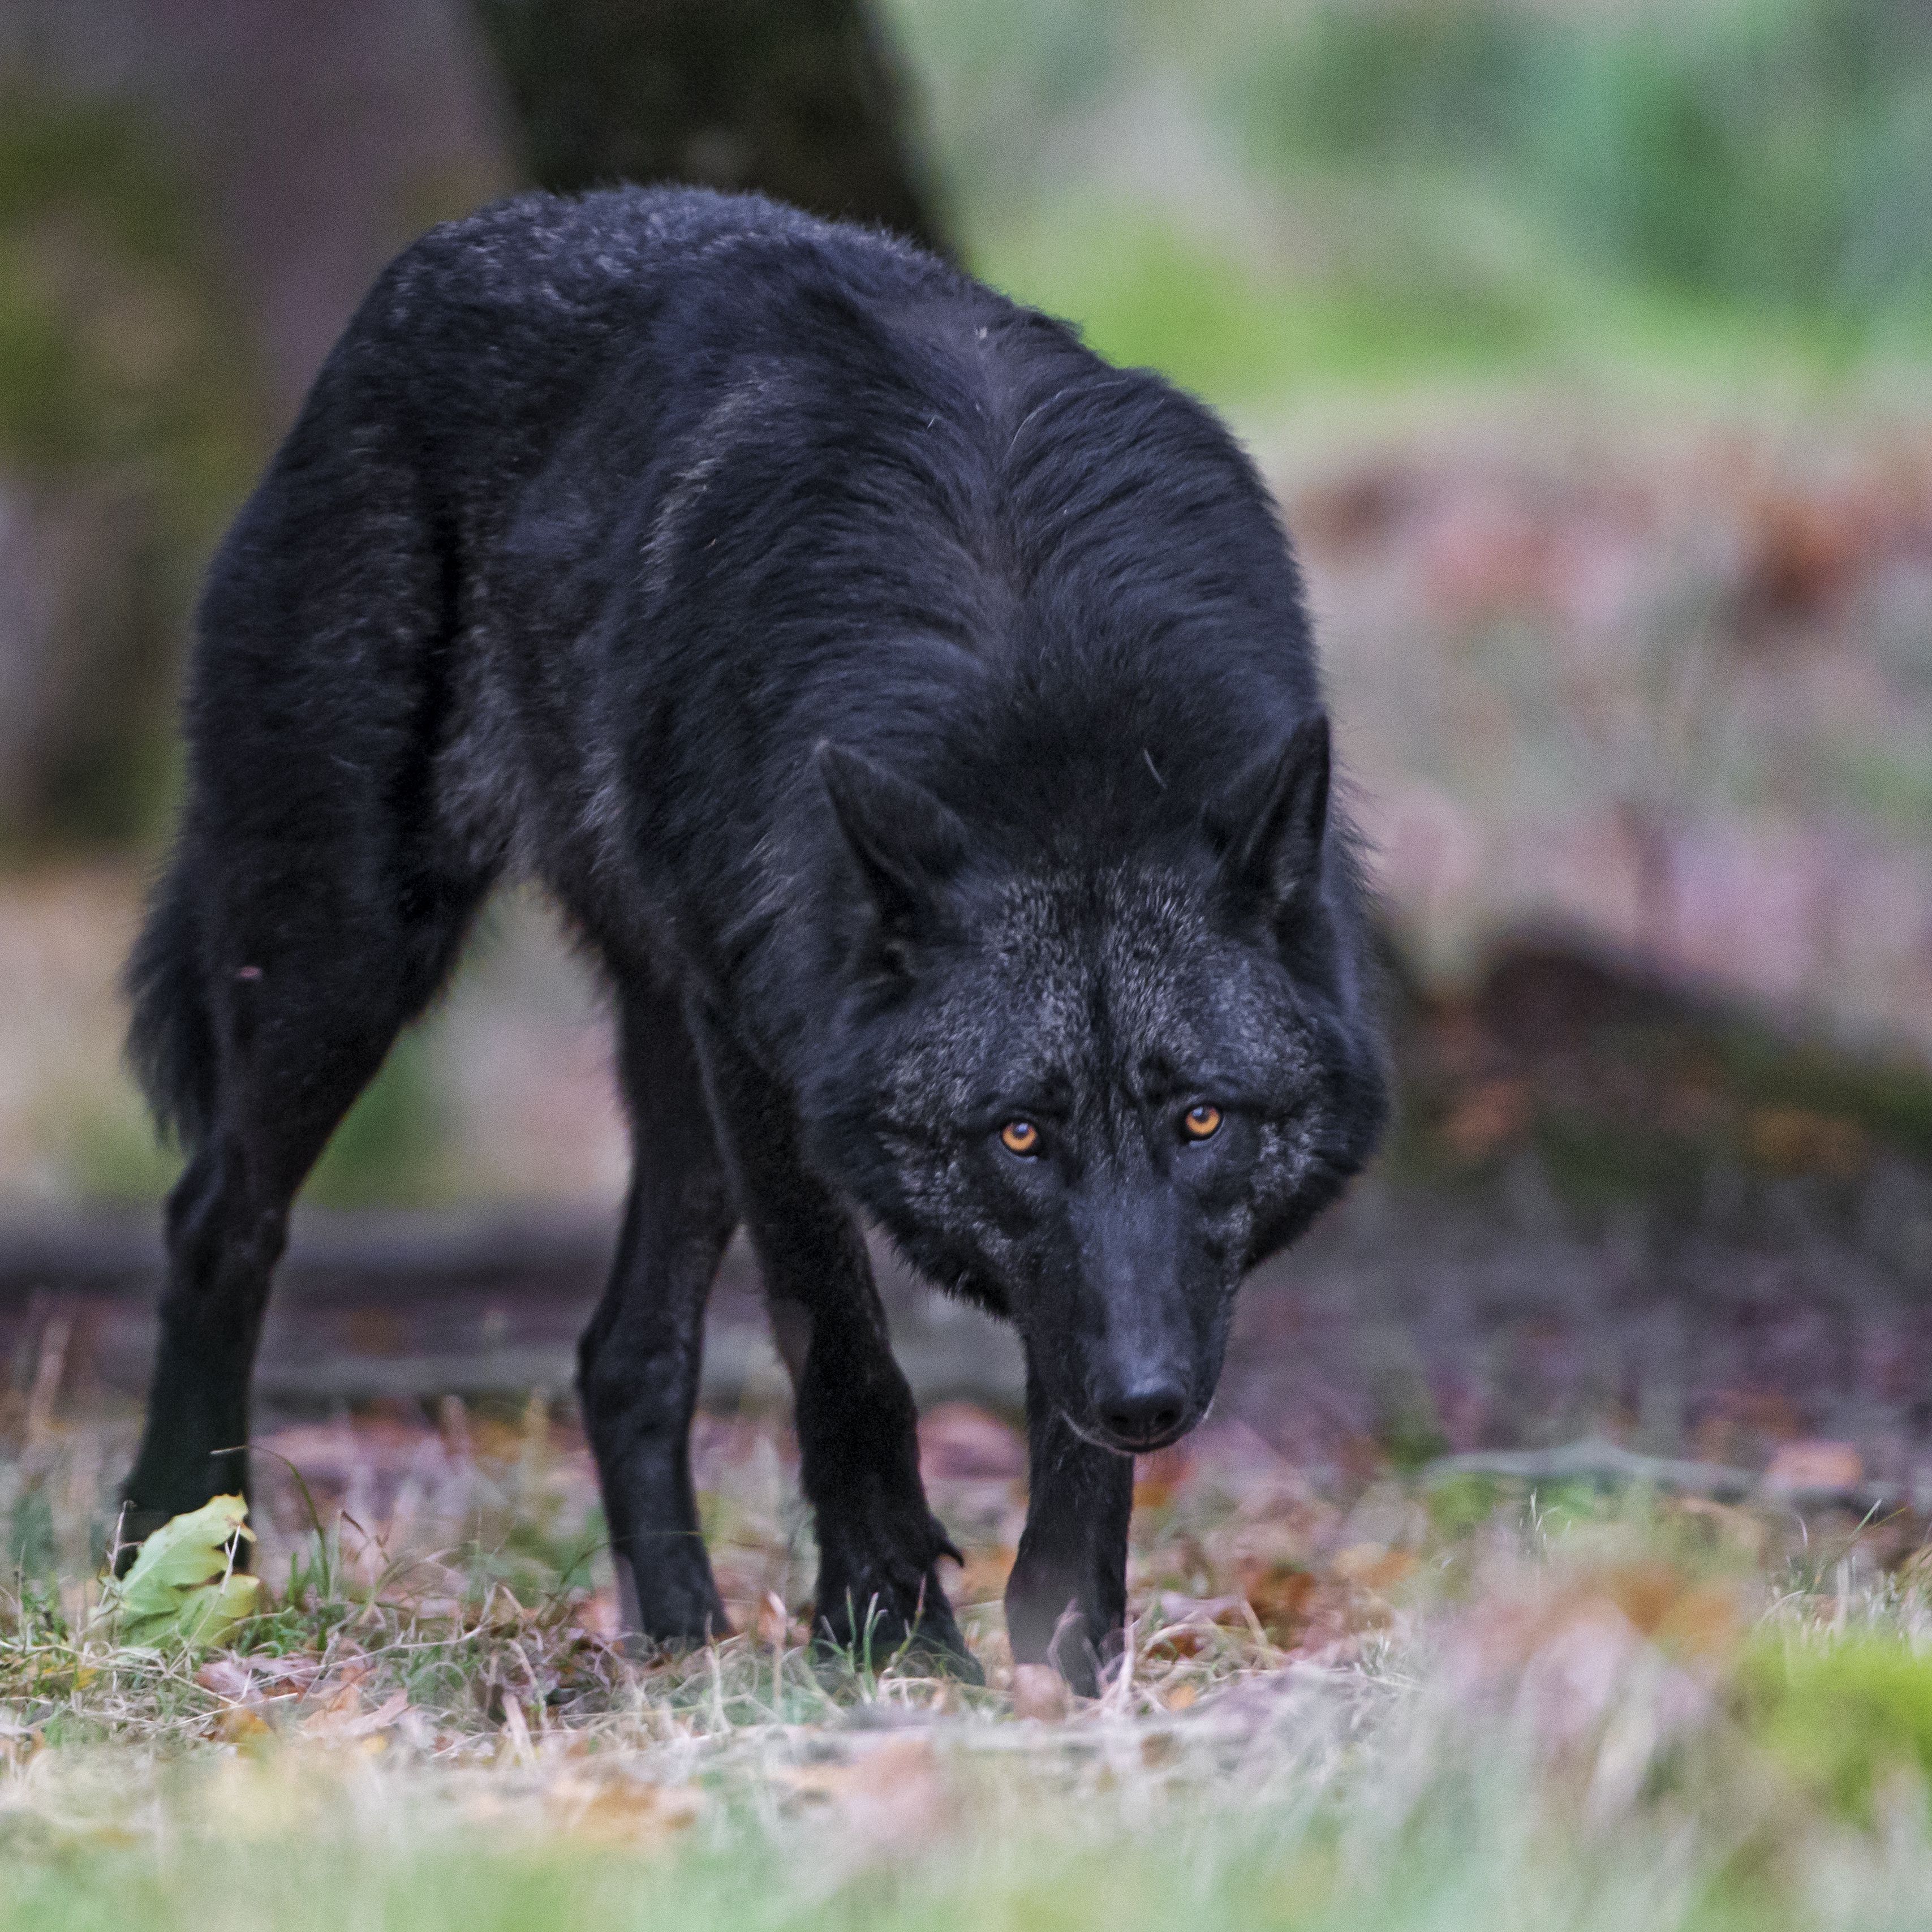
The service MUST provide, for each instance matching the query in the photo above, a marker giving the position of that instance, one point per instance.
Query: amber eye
(1201, 1123)
(1020, 1137)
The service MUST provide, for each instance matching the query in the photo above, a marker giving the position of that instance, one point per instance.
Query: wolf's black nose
(1146, 1416)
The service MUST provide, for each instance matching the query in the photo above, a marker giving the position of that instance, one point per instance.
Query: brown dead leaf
(599, 1614)
(1181, 1697)
(1358, 512)
(335, 1702)
(1794, 1140)
(1280, 1595)
(341, 1718)
(1040, 1692)
(1813, 1464)
(1370, 1567)
(620, 1811)
(1489, 1118)
(1801, 552)
(773, 1622)
(1685, 1615)
(1188, 1619)
(1160, 1477)
(228, 1677)
(983, 1578)
(1178, 1640)
(243, 1724)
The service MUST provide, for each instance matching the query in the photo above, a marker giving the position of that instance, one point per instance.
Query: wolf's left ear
(906, 843)
(1268, 826)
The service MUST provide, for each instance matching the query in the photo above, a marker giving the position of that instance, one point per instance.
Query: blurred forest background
(1589, 345)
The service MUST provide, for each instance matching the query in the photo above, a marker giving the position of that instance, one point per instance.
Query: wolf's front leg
(879, 1543)
(1066, 1599)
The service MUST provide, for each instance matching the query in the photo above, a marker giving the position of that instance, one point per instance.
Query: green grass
(132, 404)
(1268, 202)
(1770, 153)
(1467, 1706)
(1149, 291)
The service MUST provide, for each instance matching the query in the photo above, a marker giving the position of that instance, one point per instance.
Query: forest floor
(1559, 1555)
(1430, 1697)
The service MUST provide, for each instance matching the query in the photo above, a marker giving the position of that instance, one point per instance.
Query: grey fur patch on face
(1101, 1004)
(1109, 991)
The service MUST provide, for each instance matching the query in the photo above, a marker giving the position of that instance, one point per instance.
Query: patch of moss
(132, 414)
(117, 339)
(1147, 292)
(1594, 1163)
(1890, 1099)
(1841, 1716)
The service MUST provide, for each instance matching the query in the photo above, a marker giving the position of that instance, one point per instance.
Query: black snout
(1148, 1416)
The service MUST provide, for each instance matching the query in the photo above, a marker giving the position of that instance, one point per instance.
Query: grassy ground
(1409, 1703)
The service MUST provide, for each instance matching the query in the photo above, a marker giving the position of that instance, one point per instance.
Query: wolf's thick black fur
(918, 717)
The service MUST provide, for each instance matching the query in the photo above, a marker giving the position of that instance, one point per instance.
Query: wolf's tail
(171, 1044)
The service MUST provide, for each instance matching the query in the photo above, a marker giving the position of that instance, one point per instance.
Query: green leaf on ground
(183, 1588)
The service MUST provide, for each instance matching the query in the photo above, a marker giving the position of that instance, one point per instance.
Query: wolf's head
(1092, 1095)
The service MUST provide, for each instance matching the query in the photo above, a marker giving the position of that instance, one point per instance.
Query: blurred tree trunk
(194, 196)
(799, 99)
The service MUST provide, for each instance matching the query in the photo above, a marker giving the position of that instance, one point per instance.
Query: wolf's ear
(906, 843)
(1267, 826)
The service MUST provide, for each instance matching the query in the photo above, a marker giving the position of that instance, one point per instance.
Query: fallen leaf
(1159, 1478)
(1794, 1140)
(1178, 1640)
(774, 1621)
(1372, 1567)
(1281, 1595)
(384, 1714)
(227, 1677)
(1493, 1115)
(1813, 1464)
(621, 1810)
(183, 1588)
(599, 1615)
(983, 1580)
(242, 1724)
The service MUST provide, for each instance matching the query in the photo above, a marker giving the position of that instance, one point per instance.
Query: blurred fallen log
(372, 1307)
(1609, 1465)
(332, 1256)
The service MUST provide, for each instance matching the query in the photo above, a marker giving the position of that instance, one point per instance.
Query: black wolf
(918, 717)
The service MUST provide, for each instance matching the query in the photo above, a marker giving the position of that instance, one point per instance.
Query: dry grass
(1396, 1704)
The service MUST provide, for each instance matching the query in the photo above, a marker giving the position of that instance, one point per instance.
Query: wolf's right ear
(1268, 826)
(905, 842)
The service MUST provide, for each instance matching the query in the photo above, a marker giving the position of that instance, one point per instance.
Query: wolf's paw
(1049, 1626)
(921, 1636)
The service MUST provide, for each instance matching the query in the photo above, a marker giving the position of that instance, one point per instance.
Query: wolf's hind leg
(879, 1543)
(639, 1360)
(300, 1002)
